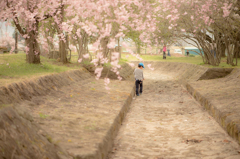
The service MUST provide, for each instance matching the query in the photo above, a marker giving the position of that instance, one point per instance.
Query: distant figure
(187, 53)
(138, 74)
(168, 52)
(164, 51)
(213, 50)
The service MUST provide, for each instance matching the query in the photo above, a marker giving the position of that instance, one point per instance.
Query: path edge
(39, 86)
(231, 127)
(106, 144)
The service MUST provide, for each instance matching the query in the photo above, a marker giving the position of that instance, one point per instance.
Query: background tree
(203, 23)
(26, 15)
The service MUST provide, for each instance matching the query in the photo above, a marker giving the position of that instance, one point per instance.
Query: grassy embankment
(13, 67)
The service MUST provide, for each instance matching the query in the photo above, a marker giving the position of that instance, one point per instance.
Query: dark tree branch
(16, 21)
(46, 16)
(21, 31)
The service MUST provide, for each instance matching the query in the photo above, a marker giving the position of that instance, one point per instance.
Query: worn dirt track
(66, 115)
(166, 122)
(71, 115)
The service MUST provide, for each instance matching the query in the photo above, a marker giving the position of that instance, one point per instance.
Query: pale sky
(4, 28)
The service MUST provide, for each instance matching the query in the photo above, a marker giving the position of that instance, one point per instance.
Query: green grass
(123, 61)
(14, 66)
(197, 60)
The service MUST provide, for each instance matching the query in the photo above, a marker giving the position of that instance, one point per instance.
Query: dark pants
(137, 83)
(164, 55)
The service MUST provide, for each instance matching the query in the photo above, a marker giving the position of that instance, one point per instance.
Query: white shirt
(138, 74)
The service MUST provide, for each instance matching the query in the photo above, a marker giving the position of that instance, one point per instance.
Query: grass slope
(197, 60)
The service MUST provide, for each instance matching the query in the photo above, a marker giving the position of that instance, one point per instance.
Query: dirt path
(166, 122)
(79, 116)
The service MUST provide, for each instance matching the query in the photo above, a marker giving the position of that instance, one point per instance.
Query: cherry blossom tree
(210, 25)
(104, 22)
(48, 39)
(26, 15)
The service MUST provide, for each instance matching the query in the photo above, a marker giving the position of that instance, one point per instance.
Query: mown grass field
(13, 67)
(197, 60)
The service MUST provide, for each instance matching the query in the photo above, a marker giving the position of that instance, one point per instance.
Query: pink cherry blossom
(79, 60)
(86, 56)
(150, 67)
(106, 81)
(98, 72)
(131, 64)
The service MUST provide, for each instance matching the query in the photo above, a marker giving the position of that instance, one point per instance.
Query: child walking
(164, 51)
(138, 74)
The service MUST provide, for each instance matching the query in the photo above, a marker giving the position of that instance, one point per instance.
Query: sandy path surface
(166, 122)
(78, 117)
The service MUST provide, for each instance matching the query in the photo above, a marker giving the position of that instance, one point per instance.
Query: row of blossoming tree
(211, 25)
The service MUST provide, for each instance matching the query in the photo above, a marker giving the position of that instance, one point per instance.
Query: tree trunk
(119, 49)
(223, 49)
(237, 52)
(223, 53)
(138, 48)
(80, 48)
(51, 49)
(16, 42)
(68, 48)
(62, 43)
(62, 51)
(105, 49)
(33, 54)
(230, 54)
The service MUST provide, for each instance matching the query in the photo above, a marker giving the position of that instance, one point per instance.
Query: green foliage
(134, 36)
